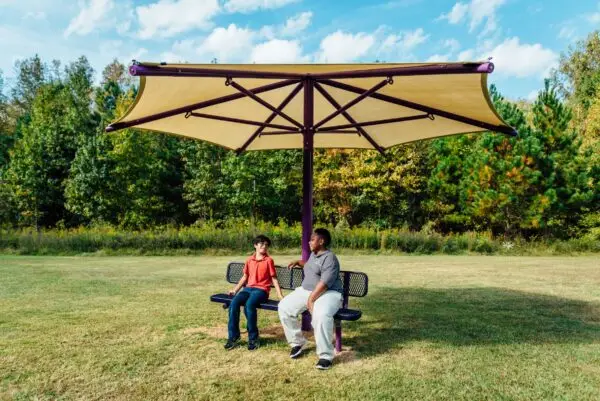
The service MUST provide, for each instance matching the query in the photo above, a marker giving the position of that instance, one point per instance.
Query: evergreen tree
(495, 184)
(447, 166)
(89, 190)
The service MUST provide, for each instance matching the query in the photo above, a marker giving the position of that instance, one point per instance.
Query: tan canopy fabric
(423, 101)
(370, 106)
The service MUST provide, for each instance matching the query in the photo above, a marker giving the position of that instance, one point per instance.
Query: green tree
(261, 185)
(495, 185)
(578, 75)
(364, 187)
(90, 193)
(533, 184)
(447, 168)
(59, 118)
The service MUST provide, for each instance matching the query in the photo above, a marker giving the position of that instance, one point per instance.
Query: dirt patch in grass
(216, 331)
(346, 355)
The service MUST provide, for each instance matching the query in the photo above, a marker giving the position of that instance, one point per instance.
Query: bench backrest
(354, 284)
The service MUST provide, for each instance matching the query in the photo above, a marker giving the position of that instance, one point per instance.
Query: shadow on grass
(470, 316)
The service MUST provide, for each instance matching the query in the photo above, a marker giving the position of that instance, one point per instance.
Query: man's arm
(299, 263)
(330, 271)
(315, 294)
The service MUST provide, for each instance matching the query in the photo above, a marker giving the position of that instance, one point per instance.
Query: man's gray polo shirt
(324, 267)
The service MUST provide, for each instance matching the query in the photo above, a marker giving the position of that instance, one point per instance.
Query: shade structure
(362, 106)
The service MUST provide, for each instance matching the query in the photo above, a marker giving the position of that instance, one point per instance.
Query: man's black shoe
(252, 345)
(296, 352)
(323, 364)
(231, 344)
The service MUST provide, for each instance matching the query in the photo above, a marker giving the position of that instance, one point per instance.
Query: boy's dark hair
(261, 238)
(324, 234)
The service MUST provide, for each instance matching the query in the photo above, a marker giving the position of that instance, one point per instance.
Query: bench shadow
(469, 316)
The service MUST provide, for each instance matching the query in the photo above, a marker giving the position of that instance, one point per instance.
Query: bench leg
(338, 335)
(306, 319)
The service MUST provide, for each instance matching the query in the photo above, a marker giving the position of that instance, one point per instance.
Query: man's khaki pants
(325, 307)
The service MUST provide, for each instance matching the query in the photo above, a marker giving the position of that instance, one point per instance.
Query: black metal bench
(355, 284)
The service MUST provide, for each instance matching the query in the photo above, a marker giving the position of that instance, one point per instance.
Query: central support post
(307, 166)
(308, 134)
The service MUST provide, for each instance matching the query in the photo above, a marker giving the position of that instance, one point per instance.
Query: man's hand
(310, 305)
(294, 264)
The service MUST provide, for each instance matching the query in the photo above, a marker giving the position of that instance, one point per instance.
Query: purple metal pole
(427, 69)
(307, 179)
(307, 167)
(338, 323)
(338, 335)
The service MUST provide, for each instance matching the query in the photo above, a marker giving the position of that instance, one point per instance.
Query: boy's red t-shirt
(260, 272)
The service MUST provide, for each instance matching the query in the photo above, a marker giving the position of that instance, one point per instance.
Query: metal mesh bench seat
(354, 284)
(342, 314)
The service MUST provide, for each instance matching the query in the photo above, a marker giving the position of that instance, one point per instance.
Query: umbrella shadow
(470, 316)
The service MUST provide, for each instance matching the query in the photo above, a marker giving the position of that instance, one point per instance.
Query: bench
(355, 284)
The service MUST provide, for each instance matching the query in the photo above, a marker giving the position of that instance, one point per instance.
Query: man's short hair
(325, 235)
(261, 239)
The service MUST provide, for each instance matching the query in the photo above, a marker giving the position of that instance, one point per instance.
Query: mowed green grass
(433, 328)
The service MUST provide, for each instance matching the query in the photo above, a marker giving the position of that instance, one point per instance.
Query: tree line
(58, 168)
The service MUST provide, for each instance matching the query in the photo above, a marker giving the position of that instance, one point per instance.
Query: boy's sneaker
(252, 345)
(296, 352)
(323, 364)
(231, 344)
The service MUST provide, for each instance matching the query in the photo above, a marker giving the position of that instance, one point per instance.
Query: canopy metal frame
(308, 128)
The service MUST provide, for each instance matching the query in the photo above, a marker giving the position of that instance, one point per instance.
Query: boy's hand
(280, 296)
(231, 292)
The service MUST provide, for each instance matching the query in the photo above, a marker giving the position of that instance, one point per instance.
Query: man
(320, 294)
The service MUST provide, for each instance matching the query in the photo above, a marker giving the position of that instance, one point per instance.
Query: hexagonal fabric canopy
(369, 106)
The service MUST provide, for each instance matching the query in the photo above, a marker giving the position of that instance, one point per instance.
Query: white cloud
(452, 44)
(594, 18)
(238, 44)
(466, 55)
(478, 11)
(170, 57)
(413, 39)
(340, 47)
(35, 15)
(227, 44)
(170, 17)
(400, 45)
(278, 51)
(110, 47)
(137, 55)
(523, 60)
(458, 12)
(247, 6)
(181, 51)
(531, 96)
(567, 32)
(90, 15)
(484, 9)
(125, 19)
(292, 27)
(296, 24)
(268, 31)
(438, 58)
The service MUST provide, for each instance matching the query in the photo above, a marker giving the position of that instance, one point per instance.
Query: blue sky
(524, 37)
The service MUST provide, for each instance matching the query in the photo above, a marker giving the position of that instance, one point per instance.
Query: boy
(259, 274)
(320, 294)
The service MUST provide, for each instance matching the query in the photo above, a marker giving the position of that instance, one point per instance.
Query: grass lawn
(433, 328)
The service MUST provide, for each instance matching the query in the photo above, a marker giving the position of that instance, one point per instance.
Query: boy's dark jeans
(250, 298)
